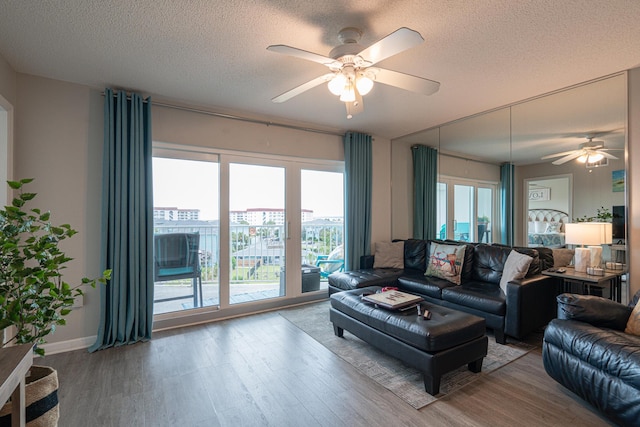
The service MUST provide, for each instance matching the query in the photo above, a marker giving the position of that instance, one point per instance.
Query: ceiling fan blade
(407, 81)
(303, 54)
(607, 155)
(355, 107)
(396, 42)
(571, 156)
(551, 156)
(303, 88)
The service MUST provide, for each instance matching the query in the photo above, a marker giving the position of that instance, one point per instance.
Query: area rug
(405, 382)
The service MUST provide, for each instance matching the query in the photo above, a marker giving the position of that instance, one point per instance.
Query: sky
(191, 184)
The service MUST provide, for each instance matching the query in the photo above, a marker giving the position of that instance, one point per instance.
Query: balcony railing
(257, 252)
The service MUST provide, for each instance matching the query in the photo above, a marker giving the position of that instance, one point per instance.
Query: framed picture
(617, 178)
(540, 194)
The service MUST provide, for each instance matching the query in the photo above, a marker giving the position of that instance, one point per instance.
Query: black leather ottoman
(447, 341)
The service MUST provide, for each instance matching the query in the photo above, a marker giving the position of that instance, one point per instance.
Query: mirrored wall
(541, 138)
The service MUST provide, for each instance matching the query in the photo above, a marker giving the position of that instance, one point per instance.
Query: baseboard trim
(70, 345)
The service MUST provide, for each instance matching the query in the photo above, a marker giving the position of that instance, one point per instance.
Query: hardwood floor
(262, 370)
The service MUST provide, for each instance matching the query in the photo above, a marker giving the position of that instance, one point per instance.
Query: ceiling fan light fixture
(592, 157)
(348, 94)
(337, 84)
(364, 84)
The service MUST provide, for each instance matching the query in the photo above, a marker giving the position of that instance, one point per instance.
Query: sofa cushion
(423, 285)
(415, 254)
(488, 262)
(477, 295)
(515, 268)
(389, 255)
(445, 261)
(361, 278)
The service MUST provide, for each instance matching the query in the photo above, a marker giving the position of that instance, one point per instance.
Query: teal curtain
(357, 165)
(425, 183)
(127, 222)
(506, 203)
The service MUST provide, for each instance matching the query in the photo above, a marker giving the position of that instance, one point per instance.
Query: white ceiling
(212, 53)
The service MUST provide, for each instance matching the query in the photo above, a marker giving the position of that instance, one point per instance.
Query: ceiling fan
(352, 74)
(590, 152)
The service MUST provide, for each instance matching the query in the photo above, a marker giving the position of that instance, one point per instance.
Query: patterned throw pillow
(633, 324)
(445, 261)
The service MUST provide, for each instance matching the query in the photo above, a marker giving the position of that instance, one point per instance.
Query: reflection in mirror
(471, 153)
(548, 210)
(472, 149)
(552, 135)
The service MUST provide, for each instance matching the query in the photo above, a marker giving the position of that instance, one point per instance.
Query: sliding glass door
(240, 229)
(466, 209)
(257, 229)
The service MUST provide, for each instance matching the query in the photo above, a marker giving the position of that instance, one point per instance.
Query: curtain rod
(233, 117)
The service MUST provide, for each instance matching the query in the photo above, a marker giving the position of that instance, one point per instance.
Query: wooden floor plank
(263, 370)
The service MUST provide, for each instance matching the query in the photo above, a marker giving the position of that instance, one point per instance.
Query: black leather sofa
(528, 304)
(586, 350)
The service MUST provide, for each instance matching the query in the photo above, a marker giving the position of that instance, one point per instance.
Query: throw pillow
(552, 227)
(562, 257)
(445, 261)
(515, 267)
(389, 255)
(633, 324)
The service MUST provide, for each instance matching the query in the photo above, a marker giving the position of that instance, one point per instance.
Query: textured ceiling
(212, 53)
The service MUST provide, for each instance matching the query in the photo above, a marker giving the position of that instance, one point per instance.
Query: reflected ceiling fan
(590, 153)
(352, 74)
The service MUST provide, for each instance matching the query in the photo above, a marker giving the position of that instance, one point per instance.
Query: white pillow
(515, 268)
(531, 227)
(539, 226)
(389, 255)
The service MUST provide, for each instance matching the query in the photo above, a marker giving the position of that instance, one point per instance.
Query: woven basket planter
(41, 399)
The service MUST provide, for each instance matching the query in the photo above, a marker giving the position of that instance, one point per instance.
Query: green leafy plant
(602, 215)
(34, 298)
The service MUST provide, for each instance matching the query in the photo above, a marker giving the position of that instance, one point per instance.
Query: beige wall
(7, 81)
(59, 143)
(58, 133)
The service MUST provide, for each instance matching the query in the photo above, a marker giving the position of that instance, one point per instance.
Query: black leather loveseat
(527, 305)
(586, 350)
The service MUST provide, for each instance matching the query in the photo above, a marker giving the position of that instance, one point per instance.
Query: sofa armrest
(594, 310)
(531, 304)
(366, 261)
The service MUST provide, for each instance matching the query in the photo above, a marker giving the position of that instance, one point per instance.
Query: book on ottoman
(393, 300)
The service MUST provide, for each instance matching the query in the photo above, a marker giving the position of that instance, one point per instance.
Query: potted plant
(34, 298)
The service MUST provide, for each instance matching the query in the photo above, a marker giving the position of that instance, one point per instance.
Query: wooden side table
(15, 362)
(611, 278)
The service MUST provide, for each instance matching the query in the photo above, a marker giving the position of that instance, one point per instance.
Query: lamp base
(582, 258)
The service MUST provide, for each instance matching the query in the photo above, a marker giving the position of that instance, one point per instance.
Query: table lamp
(592, 234)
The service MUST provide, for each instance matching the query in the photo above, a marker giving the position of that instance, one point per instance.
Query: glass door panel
(441, 212)
(485, 210)
(322, 220)
(463, 213)
(257, 232)
(186, 233)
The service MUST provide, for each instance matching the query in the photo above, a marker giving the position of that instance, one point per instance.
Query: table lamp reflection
(591, 234)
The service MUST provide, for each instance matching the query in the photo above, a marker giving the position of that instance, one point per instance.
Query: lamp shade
(588, 233)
